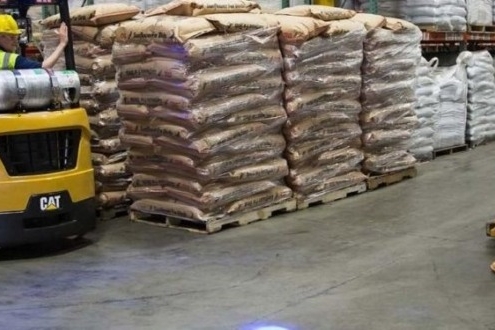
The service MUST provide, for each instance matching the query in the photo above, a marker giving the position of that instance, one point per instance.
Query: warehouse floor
(410, 256)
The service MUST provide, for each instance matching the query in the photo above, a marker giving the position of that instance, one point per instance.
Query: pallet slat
(112, 212)
(214, 225)
(481, 28)
(305, 202)
(450, 150)
(376, 181)
(475, 144)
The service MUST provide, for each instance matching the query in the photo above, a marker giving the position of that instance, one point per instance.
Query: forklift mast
(22, 6)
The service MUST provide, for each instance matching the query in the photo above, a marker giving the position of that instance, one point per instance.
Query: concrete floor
(410, 256)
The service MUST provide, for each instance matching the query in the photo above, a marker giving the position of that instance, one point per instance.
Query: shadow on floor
(41, 250)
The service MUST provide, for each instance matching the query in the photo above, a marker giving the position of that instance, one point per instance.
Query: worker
(9, 42)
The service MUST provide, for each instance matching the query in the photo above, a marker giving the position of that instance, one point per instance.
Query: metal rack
(437, 41)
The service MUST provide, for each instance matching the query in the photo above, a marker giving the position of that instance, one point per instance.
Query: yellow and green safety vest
(7, 60)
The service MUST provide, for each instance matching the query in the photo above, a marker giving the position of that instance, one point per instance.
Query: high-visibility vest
(7, 60)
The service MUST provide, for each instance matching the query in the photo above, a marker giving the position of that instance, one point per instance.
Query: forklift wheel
(490, 229)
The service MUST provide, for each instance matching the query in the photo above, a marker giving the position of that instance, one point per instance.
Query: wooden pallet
(305, 202)
(481, 28)
(474, 144)
(490, 229)
(450, 150)
(376, 181)
(112, 212)
(214, 225)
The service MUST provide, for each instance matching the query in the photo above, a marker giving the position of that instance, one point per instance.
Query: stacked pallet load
(481, 103)
(450, 119)
(479, 12)
(391, 55)
(425, 107)
(93, 29)
(443, 15)
(201, 99)
(322, 71)
(390, 8)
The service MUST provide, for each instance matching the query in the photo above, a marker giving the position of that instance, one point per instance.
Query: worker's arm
(51, 60)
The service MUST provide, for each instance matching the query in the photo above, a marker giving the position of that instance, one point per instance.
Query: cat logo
(50, 203)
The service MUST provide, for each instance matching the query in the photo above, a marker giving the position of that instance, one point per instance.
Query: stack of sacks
(481, 91)
(450, 119)
(201, 99)
(390, 8)
(93, 30)
(426, 106)
(391, 55)
(479, 12)
(448, 15)
(322, 71)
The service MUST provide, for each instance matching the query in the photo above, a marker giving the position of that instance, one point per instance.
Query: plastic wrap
(106, 124)
(111, 171)
(49, 42)
(449, 15)
(314, 129)
(100, 68)
(480, 101)
(107, 146)
(325, 13)
(391, 56)
(339, 156)
(389, 162)
(170, 207)
(479, 12)
(161, 205)
(203, 85)
(202, 113)
(332, 184)
(105, 92)
(272, 196)
(313, 175)
(301, 153)
(114, 185)
(90, 50)
(390, 8)
(270, 6)
(163, 68)
(211, 198)
(220, 107)
(426, 107)
(450, 119)
(112, 198)
(379, 139)
(203, 7)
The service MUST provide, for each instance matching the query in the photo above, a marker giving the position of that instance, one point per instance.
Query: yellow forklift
(46, 175)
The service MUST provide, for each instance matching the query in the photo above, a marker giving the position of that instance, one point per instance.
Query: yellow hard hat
(8, 25)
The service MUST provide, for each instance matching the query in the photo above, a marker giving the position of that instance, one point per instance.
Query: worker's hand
(62, 34)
